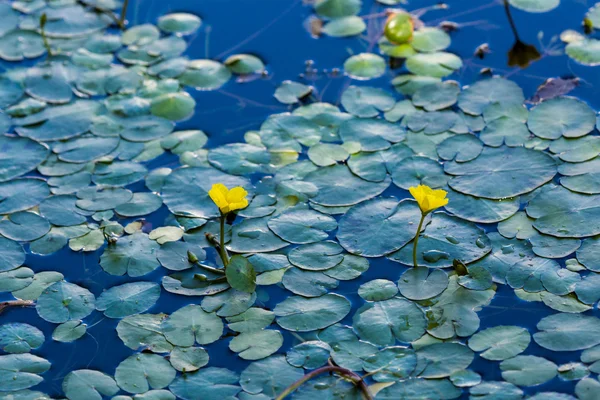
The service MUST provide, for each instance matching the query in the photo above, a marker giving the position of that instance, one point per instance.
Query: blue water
(275, 31)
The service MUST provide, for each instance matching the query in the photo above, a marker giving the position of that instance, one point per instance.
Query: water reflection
(521, 54)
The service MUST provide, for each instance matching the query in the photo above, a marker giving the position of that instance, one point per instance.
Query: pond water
(504, 174)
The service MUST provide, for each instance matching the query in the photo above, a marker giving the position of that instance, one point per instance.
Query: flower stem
(416, 240)
(222, 249)
(121, 22)
(355, 378)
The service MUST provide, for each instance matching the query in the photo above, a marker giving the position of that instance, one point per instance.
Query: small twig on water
(356, 379)
(15, 303)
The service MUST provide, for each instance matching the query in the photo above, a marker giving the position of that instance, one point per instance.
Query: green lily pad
(256, 345)
(372, 322)
(528, 370)
(20, 371)
(179, 23)
(134, 255)
(567, 332)
(19, 337)
(366, 102)
(535, 6)
(436, 65)
(128, 299)
(446, 238)
(140, 372)
(501, 172)
(191, 324)
(500, 342)
(69, 331)
(64, 301)
(206, 384)
(365, 66)
(563, 116)
(299, 314)
(378, 227)
(258, 376)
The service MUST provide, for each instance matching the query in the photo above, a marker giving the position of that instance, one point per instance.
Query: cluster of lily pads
(323, 184)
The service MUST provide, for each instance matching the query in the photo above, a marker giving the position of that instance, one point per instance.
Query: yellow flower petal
(228, 200)
(428, 198)
(236, 195)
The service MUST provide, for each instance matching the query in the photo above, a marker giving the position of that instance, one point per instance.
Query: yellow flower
(228, 200)
(428, 198)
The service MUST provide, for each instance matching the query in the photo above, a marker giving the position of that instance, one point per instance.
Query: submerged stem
(355, 378)
(416, 240)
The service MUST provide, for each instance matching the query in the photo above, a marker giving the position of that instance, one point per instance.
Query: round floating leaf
(179, 23)
(140, 372)
(290, 92)
(127, 299)
(64, 301)
(385, 321)
(365, 66)
(205, 75)
(134, 255)
(436, 96)
(500, 342)
(442, 359)
(475, 98)
(61, 210)
(69, 331)
(421, 283)
(22, 194)
(188, 359)
(437, 65)
(19, 156)
(344, 26)
(502, 172)
(378, 227)
(535, 6)
(302, 226)
(173, 106)
(192, 324)
(528, 370)
(372, 134)
(18, 337)
(300, 314)
(428, 40)
(391, 363)
(563, 116)
(567, 332)
(589, 254)
(256, 345)
(251, 320)
(366, 102)
(24, 226)
(337, 186)
(562, 213)
(12, 255)
(40, 282)
(240, 274)
(497, 390)
(253, 235)
(378, 290)
(197, 181)
(480, 210)
(307, 283)
(15, 279)
(20, 371)
(309, 355)
(140, 204)
(317, 256)
(206, 384)
(446, 238)
(420, 388)
(258, 376)
(337, 8)
(415, 170)
(144, 330)
(20, 44)
(244, 64)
